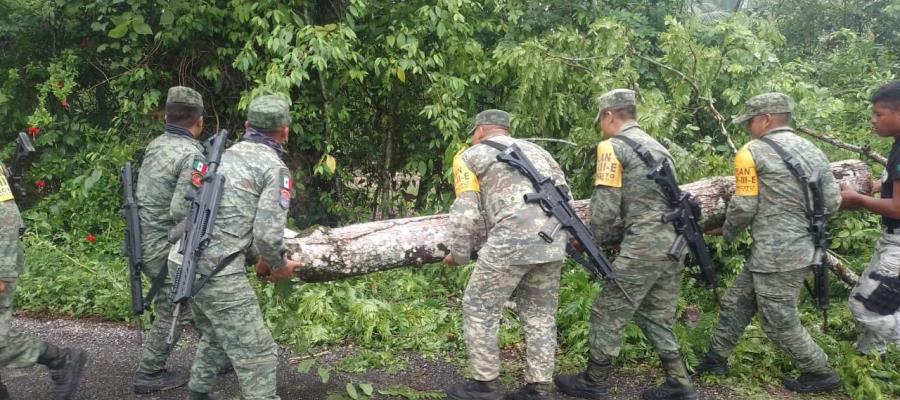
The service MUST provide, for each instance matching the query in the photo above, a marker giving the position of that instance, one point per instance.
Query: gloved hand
(885, 299)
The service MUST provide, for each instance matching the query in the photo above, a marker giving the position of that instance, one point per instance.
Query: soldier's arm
(271, 217)
(192, 168)
(606, 201)
(466, 218)
(745, 203)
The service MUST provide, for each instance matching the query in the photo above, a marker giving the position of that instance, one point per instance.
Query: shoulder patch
(464, 180)
(199, 170)
(286, 182)
(609, 169)
(5, 190)
(745, 180)
(284, 196)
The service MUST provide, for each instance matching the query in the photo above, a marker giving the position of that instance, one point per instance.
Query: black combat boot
(713, 365)
(192, 395)
(66, 367)
(814, 383)
(475, 390)
(590, 383)
(671, 389)
(157, 381)
(534, 391)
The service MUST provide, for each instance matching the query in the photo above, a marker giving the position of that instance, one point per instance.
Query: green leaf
(351, 391)
(304, 366)
(366, 388)
(401, 74)
(167, 18)
(324, 374)
(120, 30)
(92, 180)
(330, 163)
(142, 28)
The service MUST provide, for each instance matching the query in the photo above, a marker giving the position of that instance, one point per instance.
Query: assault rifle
(201, 219)
(133, 251)
(554, 200)
(685, 214)
(24, 152)
(818, 227)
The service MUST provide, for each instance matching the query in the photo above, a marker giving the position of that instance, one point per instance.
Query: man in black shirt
(875, 301)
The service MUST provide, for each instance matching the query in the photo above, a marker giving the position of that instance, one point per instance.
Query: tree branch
(720, 119)
(865, 151)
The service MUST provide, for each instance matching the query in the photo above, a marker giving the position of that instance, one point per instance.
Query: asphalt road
(114, 349)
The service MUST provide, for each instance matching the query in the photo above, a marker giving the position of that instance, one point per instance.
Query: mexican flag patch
(286, 182)
(200, 166)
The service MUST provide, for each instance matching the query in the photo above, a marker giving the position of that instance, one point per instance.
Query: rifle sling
(219, 267)
(639, 149)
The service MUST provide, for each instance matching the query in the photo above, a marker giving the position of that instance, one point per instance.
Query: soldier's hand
(262, 269)
(285, 272)
(449, 261)
(575, 245)
(2, 286)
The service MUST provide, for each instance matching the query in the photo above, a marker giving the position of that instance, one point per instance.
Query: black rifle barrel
(133, 251)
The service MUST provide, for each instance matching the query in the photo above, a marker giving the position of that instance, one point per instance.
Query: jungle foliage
(382, 92)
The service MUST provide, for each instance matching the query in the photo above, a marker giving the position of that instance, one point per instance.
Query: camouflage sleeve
(271, 217)
(466, 221)
(744, 204)
(606, 205)
(192, 168)
(10, 223)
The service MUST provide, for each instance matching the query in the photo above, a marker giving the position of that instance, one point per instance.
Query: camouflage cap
(490, 117)
(614, 99)
(184, 95)
(269, 112)
(766, 103)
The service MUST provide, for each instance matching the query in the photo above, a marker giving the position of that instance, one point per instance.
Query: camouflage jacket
(172, 167)
(770, 201)
(622, 190)
(10, 228)
(490, 198)
(253, 210)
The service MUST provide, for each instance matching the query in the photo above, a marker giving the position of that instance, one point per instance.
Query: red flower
(90, 238)
(33, 131)
(39, 184)
(64, 103)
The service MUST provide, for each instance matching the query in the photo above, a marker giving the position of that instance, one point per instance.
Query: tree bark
(336, 253)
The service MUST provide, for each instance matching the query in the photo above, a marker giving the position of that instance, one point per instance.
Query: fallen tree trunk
(336, 253)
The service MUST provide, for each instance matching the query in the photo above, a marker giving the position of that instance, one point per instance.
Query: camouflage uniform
(253, 210)
(643, 268)
(514, 258)
(16, 348)
(172, 167)
(770, 201)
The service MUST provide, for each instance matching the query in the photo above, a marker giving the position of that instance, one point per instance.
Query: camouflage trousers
(156, 351)
(231, 326)
(774, 297)
(17, 349)
(653, 285)
(877, 330)
(537, 295)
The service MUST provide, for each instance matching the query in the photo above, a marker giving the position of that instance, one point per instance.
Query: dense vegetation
(382, 92)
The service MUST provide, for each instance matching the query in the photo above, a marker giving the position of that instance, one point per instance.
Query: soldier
(514, 258)
(253, 209)
(173, 166)
(643, 268)
(875, 301)
(770, 200)
(17, 349)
